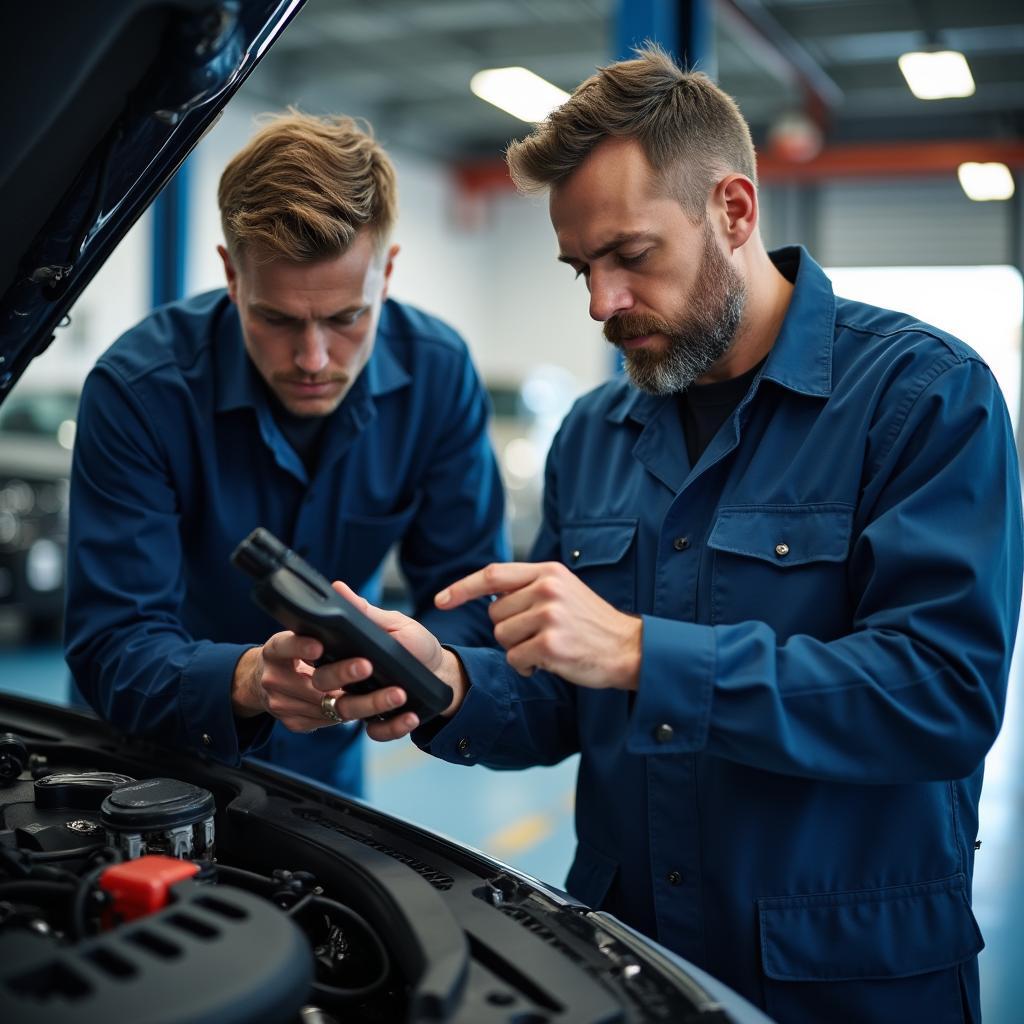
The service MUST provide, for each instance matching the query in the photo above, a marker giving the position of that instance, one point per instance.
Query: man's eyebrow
(623, 238)
(262, 307)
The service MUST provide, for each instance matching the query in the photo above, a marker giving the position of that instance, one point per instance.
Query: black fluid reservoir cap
(13, 757)
(79, 791)
(156, 804)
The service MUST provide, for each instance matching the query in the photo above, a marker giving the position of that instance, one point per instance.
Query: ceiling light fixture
(938, 75)
(983, 182)
(518, 91)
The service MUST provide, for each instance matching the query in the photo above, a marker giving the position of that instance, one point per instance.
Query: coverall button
(207, 739)
(463, 746)
(681, 543)
(664, 733)
(674, 878)
(576, 554)
(782, 550)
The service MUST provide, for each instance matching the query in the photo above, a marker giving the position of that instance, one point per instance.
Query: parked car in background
(37, 433)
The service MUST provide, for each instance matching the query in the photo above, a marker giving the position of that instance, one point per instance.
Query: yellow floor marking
(394, 762)
(520, 835)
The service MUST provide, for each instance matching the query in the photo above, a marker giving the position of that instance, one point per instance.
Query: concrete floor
(525, 818)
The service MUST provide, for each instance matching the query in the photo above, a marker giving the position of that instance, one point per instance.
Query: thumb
(351, 596)
(378, 616)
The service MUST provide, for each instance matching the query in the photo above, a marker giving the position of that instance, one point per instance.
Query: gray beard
(698, 338)
(688, 356)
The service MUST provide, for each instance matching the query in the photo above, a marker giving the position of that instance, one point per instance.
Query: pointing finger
(496, 578)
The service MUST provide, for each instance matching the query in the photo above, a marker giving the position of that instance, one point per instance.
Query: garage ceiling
(406, 64)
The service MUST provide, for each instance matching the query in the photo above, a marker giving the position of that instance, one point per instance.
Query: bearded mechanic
(774, 596)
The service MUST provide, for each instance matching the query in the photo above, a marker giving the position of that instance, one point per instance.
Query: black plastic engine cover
(214, 956)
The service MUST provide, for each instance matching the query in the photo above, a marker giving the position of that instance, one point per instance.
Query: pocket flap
(601, 542)
(785, 534)
(591, 875)
(389, 526)
(876, 933)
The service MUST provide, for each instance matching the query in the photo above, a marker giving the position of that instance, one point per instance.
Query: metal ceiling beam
(881, 160)
(781, 55)
(890, 160)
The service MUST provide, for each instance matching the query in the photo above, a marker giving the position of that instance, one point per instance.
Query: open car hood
(103, 101)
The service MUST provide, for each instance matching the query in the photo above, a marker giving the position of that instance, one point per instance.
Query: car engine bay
(140, 883)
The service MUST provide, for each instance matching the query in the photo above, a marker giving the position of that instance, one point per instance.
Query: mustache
(634, 325)
(305, 378)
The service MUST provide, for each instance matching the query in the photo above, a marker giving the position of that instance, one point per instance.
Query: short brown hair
(683, 121)
(303, 187)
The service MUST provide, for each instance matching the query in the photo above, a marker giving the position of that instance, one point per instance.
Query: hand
(277, 679)
(548, 618)
(419, 642)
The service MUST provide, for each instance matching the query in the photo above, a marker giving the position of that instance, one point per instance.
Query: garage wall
(905, 222)
(923, 222)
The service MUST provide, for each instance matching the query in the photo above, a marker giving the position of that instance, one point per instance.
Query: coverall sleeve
(508, 720)
(124, 640)
(915, 691)
(460, 524)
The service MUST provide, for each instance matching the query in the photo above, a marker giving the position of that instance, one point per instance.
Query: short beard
(697, 338)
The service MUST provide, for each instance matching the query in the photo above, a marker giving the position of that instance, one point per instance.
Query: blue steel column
(1016, 254)
(686, 28)
(170, 238)
(683, 27)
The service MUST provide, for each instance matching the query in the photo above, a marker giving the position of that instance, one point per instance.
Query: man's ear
(735, 199)
(229, 272)
(389, 265)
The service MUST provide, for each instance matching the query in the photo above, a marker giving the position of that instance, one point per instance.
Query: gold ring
(328, 710)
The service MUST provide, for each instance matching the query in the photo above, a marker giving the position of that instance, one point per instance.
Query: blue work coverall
(178, 457)
(829, 600)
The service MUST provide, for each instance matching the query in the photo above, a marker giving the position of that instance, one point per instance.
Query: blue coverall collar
(800, 359)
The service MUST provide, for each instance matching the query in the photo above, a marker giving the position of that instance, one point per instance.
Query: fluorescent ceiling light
(985, 181)
(518, 91)
(941, 75)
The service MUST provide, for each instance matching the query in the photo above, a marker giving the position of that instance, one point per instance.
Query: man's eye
(348, 319)
(276, 321)
(633, 261)
(582, 272)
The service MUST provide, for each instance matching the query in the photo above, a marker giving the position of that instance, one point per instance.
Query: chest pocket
(365, 540)
(784, 565)
(602, 552)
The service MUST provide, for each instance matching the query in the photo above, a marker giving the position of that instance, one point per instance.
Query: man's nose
(311, 354)
(608, 295)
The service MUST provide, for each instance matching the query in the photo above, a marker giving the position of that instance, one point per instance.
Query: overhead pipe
(781, 55)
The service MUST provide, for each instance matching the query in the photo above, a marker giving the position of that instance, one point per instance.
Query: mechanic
(774, 595)
(301, 399)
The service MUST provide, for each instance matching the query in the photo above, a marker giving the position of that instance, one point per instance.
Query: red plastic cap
(140, 887)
